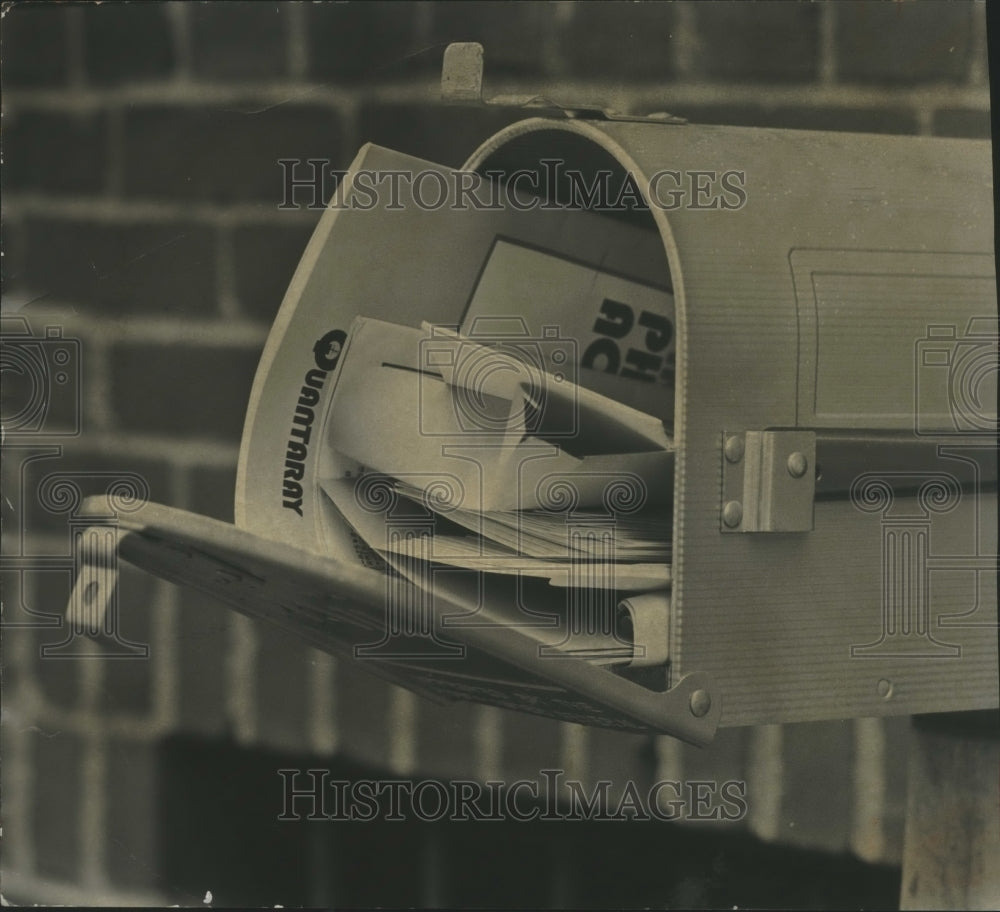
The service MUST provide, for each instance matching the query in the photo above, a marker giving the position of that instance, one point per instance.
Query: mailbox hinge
(768, 481)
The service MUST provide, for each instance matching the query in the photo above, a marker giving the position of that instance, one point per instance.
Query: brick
(132, 856)
(199, 392)
(361, 850)
(765, 42)
(203, 642)
(351, 41)
(817, 774)
(12, 587)
(794, 117)
(127, 42)
(211, 492)
(55, 152)
(530, 743)
(58, 791)
(512, 34)
(724, 763)
(480, 862)
(266, 257)
(215, 794)
(116, 268)
(903, 42)
(446, 738)
(283, 697)
(608, 864)
(34, 45)
(445, 135)
(982, 28)
(361, 702)
(42, 392)
(967, 123)
(240, 40)
(618, 757)
(20, 498)
(126, 678)
(620, 39)
(127, 682)
(223, 154)
(12, 245)
(54, 487)
(899, 738)
(59, 678)
(601, 868)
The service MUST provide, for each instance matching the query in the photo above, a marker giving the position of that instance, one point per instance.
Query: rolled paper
(649, 614)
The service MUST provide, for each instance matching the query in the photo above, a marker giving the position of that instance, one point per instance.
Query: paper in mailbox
(426, 403)
(619, 571)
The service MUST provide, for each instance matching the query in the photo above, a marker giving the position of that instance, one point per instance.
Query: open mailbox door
(753, 387)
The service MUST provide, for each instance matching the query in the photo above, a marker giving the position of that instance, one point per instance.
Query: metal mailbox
(829, 384)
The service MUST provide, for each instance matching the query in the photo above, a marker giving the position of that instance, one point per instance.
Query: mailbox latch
(768, 481)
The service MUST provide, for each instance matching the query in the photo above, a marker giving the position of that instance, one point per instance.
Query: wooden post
(951, 843)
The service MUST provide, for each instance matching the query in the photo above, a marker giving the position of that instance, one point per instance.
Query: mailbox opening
(576, 168)
(571, 272)
(576, 260)
(581, 170)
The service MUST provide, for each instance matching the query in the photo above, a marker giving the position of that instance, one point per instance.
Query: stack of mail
(495, 463)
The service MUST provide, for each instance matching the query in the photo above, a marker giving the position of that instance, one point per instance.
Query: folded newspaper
(608, 567)
(474, 457)
(428, 403)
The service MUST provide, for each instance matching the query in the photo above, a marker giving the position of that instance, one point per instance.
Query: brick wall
(141, 191)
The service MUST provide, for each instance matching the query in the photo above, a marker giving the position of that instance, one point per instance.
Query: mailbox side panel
(810, 307)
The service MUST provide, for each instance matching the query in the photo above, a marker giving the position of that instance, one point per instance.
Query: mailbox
(808, 315)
